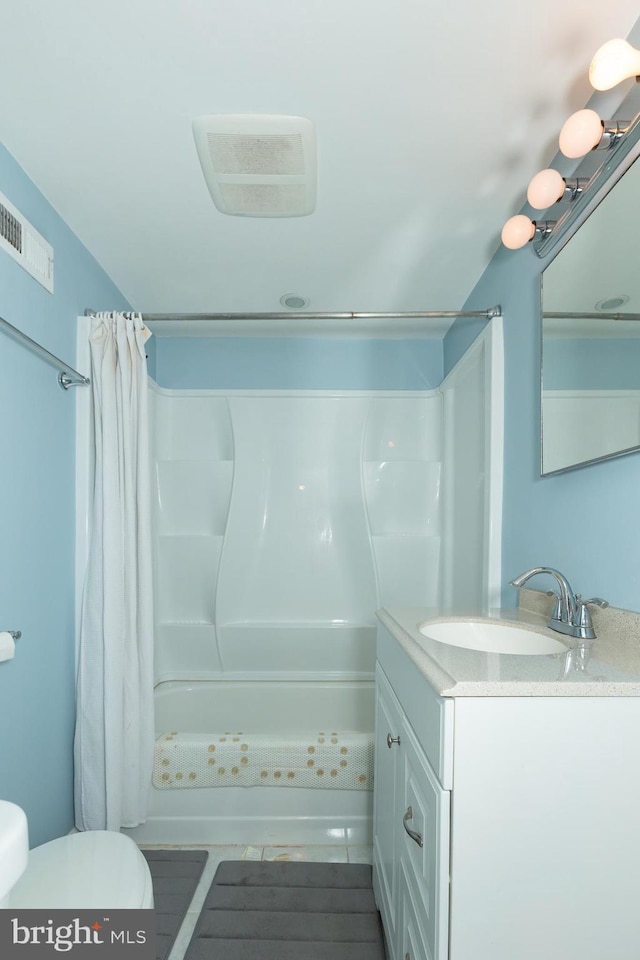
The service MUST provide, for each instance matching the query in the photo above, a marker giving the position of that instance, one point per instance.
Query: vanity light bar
(618, 161)
(582, 133)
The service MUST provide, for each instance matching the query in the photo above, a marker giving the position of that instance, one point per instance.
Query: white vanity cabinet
(411, 819)
(527, 808)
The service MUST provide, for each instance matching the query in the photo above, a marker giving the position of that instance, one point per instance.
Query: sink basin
(491, 637)
(14, 846)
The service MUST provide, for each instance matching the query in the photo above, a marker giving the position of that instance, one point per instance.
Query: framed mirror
(590, 383)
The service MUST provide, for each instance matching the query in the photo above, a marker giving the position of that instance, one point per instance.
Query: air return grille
(24, 244)
(258, 166)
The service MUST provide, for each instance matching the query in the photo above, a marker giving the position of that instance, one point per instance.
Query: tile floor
(353, 853)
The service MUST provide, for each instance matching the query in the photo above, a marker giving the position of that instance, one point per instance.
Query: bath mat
(288, 911)
(175, 875)
(338, 760)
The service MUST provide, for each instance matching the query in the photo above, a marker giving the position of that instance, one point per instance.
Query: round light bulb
(517, 232)
(581, 133)
(614, 62)
(547, 187)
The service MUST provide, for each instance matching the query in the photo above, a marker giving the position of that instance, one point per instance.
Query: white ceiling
(430, 119)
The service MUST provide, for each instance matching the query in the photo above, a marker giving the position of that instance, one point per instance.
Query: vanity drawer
(430, 716)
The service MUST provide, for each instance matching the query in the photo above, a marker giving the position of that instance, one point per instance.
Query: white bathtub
(260, 814)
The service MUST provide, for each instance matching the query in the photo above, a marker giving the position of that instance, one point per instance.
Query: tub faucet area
(570, 614)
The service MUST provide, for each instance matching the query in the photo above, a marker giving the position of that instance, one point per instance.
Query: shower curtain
(114, 736)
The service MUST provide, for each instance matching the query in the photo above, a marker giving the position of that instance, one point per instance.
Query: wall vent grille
(25, 245)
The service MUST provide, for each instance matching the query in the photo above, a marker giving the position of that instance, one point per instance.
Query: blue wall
(297, 363)
(37, 517)
(591, 363)
(585, 522)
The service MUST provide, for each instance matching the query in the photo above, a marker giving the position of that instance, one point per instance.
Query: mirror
(590, 390)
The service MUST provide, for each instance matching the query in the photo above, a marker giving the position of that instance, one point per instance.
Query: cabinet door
(386, 825)
(412, 944)
(425, 820)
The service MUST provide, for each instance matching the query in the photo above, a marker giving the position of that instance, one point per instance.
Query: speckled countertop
(612, 669)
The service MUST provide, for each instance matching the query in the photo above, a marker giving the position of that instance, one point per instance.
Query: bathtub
(219, 712)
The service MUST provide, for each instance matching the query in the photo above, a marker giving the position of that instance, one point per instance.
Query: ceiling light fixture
(612, 303)
(615, 61)
(293, 301)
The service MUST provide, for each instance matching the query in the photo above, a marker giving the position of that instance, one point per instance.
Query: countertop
(613, 669)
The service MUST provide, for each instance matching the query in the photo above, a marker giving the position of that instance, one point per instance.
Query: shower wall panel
(401, 474)
(193, 454)
(283, 521)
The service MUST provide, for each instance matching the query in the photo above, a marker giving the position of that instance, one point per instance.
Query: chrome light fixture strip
(618, 161)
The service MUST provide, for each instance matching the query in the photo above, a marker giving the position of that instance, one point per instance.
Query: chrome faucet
(570, 614)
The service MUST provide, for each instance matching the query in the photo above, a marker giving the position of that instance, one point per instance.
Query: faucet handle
(563, 610)
(556, 613)
(597, 601)
(583, 616)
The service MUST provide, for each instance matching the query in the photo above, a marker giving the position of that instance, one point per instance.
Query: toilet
(98, 868)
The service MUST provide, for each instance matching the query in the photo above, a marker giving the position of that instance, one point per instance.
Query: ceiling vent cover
(258, 166)
(22, 241)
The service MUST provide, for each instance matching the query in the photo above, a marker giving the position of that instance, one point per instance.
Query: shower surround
(283, 520)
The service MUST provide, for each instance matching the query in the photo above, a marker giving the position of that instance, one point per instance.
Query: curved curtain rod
(421, 315)
(68, 377)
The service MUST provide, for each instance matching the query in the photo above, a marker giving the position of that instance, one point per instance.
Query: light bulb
(581, 133)
(547, 187)
(614, 62)
(517, 232)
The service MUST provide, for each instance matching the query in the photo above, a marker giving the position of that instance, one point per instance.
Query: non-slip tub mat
(288, 911)
(175, 875)
(321, 760)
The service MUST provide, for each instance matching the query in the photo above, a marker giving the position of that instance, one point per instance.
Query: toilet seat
(98, 868)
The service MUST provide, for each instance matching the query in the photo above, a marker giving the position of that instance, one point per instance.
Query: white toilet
(99, 868)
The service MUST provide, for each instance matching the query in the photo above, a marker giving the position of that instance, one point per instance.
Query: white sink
(491, 636)
(14, 847)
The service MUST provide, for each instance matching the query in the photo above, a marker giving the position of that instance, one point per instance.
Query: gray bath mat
(288, 911)
(175, 875)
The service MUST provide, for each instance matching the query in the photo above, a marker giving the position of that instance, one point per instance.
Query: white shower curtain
(114, 737)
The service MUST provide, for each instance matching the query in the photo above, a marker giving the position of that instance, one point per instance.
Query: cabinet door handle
(412, 833)
(391, 740)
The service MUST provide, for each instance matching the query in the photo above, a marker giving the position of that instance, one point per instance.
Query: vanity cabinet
(411, 836)
(527, 812)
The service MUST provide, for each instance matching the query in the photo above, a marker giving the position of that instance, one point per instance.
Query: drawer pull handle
(391, 740)
(412, 833)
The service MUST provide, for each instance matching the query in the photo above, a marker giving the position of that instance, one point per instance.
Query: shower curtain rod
(419, 315)
(576, 315)
(68, 377)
